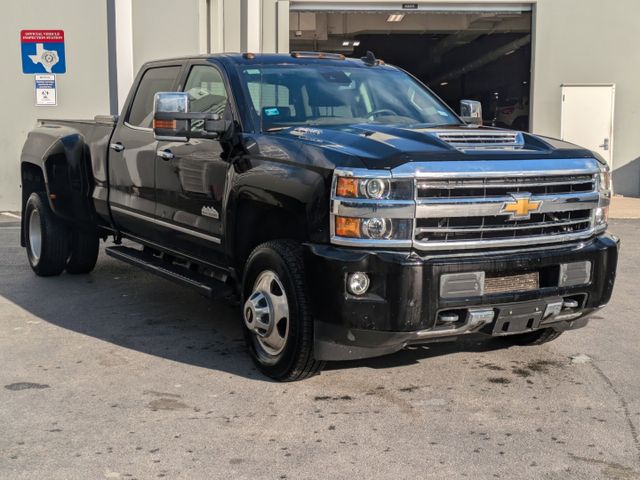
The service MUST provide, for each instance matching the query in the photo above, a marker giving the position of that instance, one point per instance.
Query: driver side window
(207, 92)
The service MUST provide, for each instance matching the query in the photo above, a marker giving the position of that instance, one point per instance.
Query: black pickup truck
(347, 209)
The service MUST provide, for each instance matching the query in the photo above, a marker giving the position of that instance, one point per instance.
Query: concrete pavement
(119, 374)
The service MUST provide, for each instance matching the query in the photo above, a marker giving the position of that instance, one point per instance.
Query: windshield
(327, 95)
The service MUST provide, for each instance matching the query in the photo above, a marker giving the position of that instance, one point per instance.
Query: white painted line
(12, 215)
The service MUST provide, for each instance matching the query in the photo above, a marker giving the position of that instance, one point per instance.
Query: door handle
(165, 154)
(605, 145)
(118, 147)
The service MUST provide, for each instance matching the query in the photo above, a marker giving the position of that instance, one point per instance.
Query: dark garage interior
(483, 56)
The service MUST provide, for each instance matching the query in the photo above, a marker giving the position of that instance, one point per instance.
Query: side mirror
(172, 120)
(471, 111)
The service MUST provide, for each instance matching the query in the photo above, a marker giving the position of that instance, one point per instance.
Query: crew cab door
(191, 176)
(132, 155)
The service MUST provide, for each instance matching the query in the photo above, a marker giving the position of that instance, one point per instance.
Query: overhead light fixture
(444, 84)
(356, 43)
(345, 43)
(395, 17)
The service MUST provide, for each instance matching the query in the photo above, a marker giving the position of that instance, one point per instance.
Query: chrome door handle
(118, 147)
(165, 154)
(605, 145)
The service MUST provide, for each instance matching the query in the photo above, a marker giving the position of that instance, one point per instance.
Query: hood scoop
(482, 139)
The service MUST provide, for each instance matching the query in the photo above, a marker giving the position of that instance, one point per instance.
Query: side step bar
(207, 286)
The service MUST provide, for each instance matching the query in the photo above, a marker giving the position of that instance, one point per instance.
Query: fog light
(576, 273)
(358, 283)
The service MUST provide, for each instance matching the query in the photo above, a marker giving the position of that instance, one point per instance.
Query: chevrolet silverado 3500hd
(348, 209)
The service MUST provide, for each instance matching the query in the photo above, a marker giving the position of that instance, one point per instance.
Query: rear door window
(154, 80)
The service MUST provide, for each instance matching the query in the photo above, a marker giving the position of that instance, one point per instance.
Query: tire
(83, 252)
(46, 237)
(274, 276)
(537, 337)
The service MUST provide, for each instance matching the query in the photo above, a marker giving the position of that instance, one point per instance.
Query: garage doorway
(460, 52)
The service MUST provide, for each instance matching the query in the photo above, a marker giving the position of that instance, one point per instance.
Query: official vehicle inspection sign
(43, 51)
(46, 89)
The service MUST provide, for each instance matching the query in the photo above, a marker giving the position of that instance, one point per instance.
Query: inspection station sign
(43, 51)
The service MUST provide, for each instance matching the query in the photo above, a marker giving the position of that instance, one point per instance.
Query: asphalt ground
(119, 374)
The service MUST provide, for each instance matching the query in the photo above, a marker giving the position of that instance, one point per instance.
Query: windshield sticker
(271, 112)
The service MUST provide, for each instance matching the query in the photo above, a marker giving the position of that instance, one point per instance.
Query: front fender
(299, 193)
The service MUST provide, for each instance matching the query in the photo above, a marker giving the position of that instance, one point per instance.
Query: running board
(207, 286)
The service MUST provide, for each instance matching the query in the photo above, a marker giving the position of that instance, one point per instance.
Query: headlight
(604, 180)
(601, 214)
(374, 188)
(369, 210)
(374, 228)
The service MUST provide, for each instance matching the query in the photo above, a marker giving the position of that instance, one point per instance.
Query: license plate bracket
(519, 318)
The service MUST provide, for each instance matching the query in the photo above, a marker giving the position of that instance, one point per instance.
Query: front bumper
(403, 302)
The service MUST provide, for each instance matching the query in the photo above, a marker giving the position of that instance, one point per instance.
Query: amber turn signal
(348, 227)
(168, 124)
(347, 187)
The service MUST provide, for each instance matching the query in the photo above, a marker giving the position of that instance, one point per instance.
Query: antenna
(371, 59)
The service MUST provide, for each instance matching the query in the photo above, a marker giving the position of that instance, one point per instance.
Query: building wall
(590, 41)
(82, 92)
(575, 41)
(167, 28)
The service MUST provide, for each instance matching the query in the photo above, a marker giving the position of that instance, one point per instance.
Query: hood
(387, 146)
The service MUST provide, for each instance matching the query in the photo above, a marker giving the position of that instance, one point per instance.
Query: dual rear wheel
(53, 245)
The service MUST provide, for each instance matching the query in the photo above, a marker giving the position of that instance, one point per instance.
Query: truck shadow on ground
(135, 310)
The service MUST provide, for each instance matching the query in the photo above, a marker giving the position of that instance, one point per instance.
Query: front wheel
(278, 325)
(46, 237)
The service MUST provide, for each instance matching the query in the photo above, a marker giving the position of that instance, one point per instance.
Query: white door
(587, 117)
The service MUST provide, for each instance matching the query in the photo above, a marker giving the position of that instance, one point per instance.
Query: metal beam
(485, 60)
(452, 41)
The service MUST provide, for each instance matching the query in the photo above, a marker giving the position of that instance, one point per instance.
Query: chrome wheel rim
(266, 313)
(35, 235)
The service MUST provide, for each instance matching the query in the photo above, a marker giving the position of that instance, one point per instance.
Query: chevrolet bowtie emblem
(521, 207)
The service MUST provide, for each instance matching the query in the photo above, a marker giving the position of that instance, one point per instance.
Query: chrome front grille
(472, 211)
(473, 204)
(489, 187)
(500, 227)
